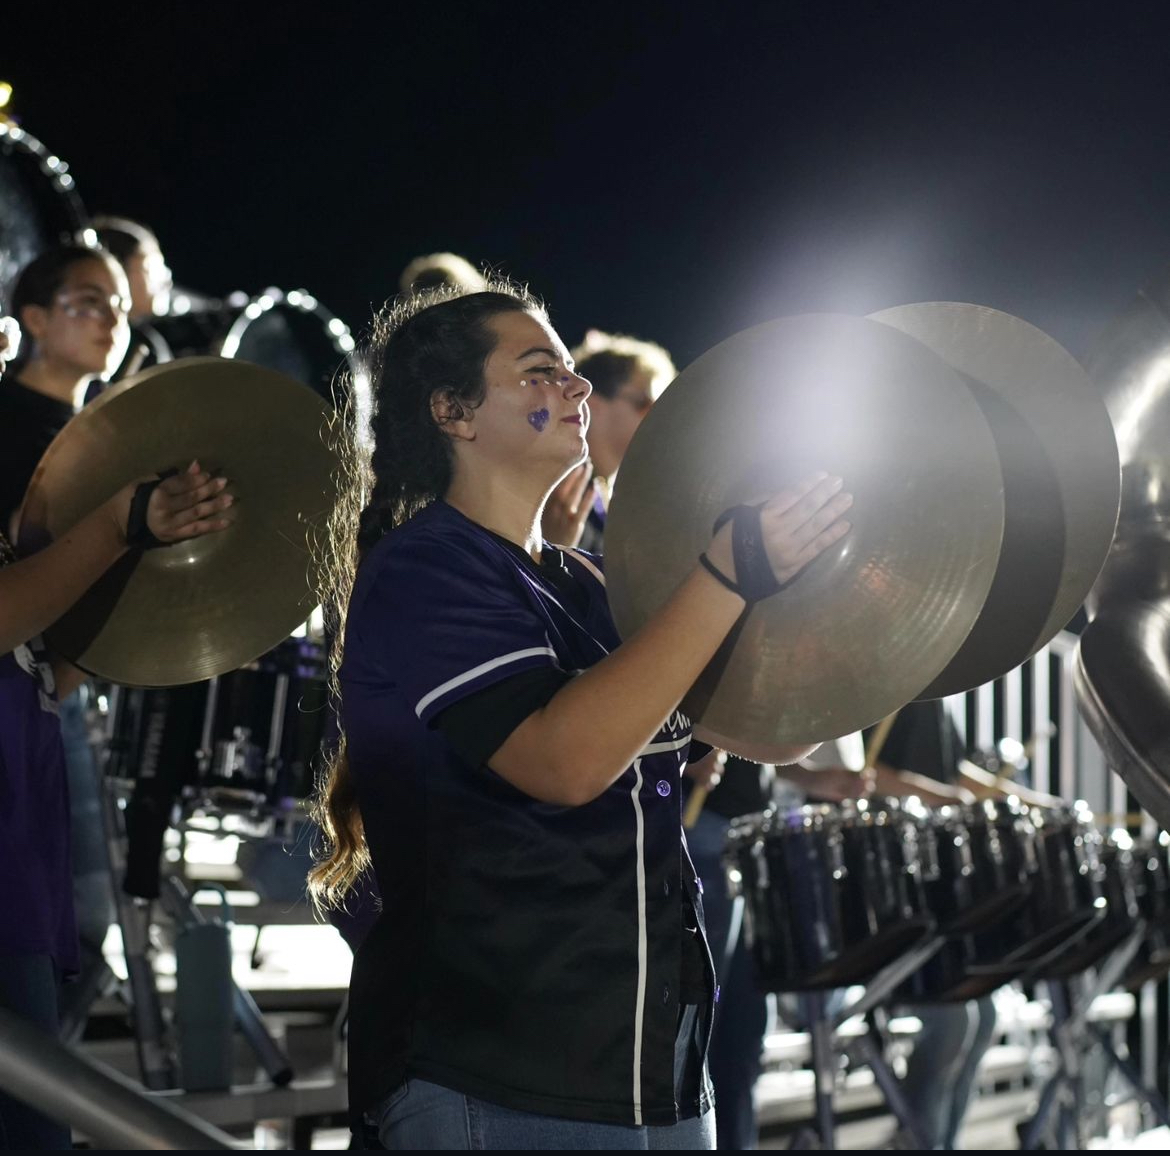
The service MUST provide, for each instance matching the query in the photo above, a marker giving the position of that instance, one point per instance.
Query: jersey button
(666, 887)
(663, 788)
(666, 994)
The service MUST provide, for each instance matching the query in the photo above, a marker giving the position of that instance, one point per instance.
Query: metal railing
(102, 1104)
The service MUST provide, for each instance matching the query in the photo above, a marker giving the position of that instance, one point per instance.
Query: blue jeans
(424, 1116)
(93, 887)
(941, 1073)
(741, 1015)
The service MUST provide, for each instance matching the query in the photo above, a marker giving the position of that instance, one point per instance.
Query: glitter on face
(538, 419)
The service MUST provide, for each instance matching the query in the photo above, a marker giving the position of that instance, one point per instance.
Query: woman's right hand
(796, 525)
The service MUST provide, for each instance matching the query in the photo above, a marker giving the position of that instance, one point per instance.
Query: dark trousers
(741, 1014)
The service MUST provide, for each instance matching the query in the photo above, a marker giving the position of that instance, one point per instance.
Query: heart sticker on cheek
(538, 419)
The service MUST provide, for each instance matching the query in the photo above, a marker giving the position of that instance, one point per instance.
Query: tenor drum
(832, 893)
(986, 859)
(251, 737)
(39, 205)
(1119, 920)
(1151, 861)
(1056, 891)
(290, 332)
(1067, 896)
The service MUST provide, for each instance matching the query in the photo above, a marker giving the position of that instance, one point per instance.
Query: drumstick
(695, 806)
(135, 360)
(878, 740)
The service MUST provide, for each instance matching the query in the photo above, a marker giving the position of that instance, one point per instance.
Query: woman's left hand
(188, 505)
(568, 506)
(184, 505)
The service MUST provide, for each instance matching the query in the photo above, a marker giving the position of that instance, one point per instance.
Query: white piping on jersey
(588, 565)
(659, 748)
(475, 672)
(639, 1007)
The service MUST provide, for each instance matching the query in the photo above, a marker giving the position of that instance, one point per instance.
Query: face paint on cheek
(538, 419)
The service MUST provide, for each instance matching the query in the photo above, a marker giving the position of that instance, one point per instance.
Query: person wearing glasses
(628, 375)
(38, 920)
(73, 305)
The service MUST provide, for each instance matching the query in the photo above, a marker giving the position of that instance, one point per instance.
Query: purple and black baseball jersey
(528, 953)
(35, 876)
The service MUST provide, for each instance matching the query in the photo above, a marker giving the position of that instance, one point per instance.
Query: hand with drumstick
(37, 590)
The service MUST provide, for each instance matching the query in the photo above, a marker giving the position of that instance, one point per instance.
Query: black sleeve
(477, 726)
(698, 751)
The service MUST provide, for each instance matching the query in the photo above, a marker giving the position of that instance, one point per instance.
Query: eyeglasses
(90, 303)
(638, 402)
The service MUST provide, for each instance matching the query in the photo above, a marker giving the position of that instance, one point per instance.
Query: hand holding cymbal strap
(139, 535)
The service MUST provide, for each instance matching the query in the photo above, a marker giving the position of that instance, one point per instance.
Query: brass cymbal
(1121, 687)
(1122, 680)
(1130, 366)
(1061, 477)
(186, 612)
(879, 615)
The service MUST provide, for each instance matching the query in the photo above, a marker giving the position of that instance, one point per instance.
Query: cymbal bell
(1061, 475)
(879, 615)
(186, 612)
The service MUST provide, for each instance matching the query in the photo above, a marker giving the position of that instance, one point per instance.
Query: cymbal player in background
(137, 249)
(72, 304)
(628, 376)
(38, 932)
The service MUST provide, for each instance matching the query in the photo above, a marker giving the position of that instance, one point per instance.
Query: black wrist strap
(718, 574)
(138, 532)
(753, 571)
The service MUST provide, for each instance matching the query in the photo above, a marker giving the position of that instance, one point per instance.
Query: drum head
(39, 208)
(294, 334)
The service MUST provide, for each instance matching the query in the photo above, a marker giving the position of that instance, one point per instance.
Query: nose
(577, 388)
(113, 319)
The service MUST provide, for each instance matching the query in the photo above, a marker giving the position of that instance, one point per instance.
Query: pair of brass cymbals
(984, 472)
(198, 608)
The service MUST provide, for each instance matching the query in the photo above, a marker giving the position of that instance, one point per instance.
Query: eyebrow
(543, 350)
(89, 285)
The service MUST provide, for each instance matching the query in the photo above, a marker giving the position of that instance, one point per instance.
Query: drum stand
(155, 1053)
(1073, 1036)
(826, 1048)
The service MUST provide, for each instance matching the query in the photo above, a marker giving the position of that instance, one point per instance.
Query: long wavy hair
(429, 343)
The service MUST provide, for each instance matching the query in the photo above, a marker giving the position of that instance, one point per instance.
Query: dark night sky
(679, 177)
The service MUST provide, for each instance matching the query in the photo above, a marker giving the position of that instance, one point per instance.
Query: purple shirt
(36, 908)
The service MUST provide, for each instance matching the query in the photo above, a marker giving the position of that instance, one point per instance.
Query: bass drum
(39, 206)
(291, 332)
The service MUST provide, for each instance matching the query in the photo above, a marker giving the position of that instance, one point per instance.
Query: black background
(678, 176)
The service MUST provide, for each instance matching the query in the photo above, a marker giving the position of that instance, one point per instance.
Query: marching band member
(539, 975)
(628, 375)
(38, 935)
(137, 249)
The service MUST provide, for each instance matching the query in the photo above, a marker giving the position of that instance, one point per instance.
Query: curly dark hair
(429, 343)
